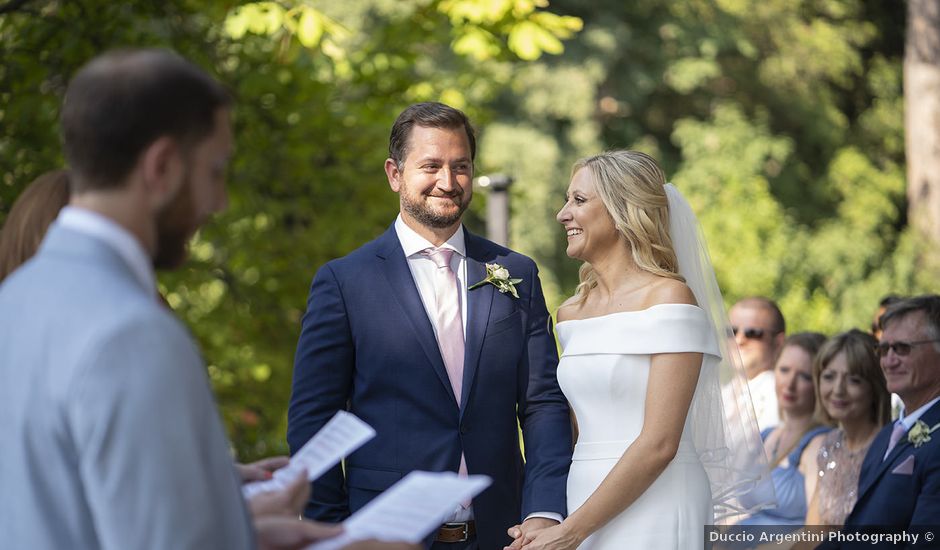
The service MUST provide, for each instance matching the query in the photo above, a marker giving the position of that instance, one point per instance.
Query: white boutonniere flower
(499, 277)
(920, 433)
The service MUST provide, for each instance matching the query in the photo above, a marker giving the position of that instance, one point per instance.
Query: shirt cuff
(546, 515)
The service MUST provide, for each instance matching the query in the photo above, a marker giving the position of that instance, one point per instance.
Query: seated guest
(26, 224)
(788, 445)
(759, 331)
(896, 404)
(851, 393)
(899, 484)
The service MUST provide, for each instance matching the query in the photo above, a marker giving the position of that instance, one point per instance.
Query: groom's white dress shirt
(422, 270)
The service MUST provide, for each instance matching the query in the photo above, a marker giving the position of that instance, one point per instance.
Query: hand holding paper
(409, 510)
(343, 434)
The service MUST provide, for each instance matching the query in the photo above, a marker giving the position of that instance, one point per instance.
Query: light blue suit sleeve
(153, 456)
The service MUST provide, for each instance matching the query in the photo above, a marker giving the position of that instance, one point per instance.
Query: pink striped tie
(449, 323)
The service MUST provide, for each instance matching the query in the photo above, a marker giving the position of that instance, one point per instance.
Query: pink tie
(449, 325)
(896, 434)
(448, 320)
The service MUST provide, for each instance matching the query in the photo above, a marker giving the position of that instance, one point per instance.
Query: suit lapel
(878, 447)
(479, 301)
(405, 291)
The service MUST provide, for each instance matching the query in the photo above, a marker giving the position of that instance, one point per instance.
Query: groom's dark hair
(122, 101)
(427, 115)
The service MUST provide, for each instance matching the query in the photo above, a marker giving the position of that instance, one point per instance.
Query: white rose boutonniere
(499, 277)
(920, 433)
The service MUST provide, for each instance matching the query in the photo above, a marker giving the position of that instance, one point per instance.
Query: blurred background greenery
(781, 120)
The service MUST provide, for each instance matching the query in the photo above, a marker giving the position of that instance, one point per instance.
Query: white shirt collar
(910, 419)
(104, 229)
(412, 243)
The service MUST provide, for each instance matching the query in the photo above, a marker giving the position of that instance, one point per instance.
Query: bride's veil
(722, 420)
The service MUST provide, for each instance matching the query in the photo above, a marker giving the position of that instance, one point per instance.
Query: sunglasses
(900, 348)
(750, 333)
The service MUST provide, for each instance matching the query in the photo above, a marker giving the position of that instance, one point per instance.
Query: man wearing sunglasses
(759, 330)
(899, 485)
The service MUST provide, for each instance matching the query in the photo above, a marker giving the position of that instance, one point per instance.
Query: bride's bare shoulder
(669, 291)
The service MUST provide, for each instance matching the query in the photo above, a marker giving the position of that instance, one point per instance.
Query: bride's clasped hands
(560, 536)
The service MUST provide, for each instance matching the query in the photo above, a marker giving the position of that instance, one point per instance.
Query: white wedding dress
(604, 371)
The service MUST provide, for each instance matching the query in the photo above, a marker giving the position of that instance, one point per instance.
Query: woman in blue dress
(790, 446)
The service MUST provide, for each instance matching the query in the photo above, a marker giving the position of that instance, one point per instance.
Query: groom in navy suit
(394, 333)
(899, 484)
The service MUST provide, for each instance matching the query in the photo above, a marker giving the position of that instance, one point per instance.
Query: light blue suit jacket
(109, 435)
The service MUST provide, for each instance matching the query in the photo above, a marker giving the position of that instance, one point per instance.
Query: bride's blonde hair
(632, 187)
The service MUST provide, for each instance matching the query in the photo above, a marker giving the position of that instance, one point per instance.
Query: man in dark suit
(394, 333)
(899, 484)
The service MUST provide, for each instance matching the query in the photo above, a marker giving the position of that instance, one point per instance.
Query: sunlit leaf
(236, 24)
(477, 43)
(525, 40)
(310, 29)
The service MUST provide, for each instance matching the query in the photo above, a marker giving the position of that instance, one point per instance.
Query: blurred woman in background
(30, 216)
(850, 392)
(788, 445)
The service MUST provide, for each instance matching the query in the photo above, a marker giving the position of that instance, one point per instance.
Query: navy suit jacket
(367, 346)
(893, 499)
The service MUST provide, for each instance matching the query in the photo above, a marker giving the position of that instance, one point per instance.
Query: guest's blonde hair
(632, 187)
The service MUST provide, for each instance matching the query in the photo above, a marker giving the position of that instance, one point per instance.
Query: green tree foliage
(317, 86)
(780, 120)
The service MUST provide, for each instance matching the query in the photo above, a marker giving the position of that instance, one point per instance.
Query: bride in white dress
(654, 461)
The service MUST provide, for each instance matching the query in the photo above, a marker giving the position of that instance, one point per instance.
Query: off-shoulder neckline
(559, 323)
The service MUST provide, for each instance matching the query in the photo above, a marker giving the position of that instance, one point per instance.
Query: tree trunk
(922, 117)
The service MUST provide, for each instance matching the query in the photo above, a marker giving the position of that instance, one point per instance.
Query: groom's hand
(523, 534)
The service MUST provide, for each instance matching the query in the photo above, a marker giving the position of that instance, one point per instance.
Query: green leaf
(256, 18)
(476, 43)
(311, 28)
(525, 41)
(236, 24)
(273, 17)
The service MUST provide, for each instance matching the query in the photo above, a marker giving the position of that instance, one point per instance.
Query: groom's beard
(175, 226)
(426, 215)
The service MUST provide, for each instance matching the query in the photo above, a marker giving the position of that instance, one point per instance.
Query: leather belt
(456, 532)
